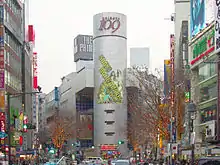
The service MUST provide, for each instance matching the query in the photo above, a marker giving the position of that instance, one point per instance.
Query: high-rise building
(140, 57)
(110, 62)
(11, 51)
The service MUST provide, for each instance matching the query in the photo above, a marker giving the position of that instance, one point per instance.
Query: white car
(122, 162)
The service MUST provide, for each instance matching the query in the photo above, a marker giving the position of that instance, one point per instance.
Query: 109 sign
(110, 23)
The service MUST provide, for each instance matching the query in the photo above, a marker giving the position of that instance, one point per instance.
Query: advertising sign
(172, 93)
(218, 103)
(85, 121)
(83, 47)
(2, 124)
(2, 79)
(197, 16)
(2, 101)
(25, 121)
(167, 77)
(111, 88)
(35, 73)
(110, 25)
(172, 43)
(31, 34)
(108, 147)
(203, 46)
(217, 25)
(1, 14)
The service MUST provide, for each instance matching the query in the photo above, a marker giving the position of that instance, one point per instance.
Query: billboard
(2, 59)
(35, 73)
(111, 87)
(83, 47)
(201, 13)
(31, 33)
(217, 25)
(86, 122)
(167, 78)
(172, 48)
(203, 46)
(197, 16)
(172, 92)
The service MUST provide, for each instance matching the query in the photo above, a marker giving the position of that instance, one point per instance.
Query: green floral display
(110, 90)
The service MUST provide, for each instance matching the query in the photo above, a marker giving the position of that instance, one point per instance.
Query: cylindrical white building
(110, 61)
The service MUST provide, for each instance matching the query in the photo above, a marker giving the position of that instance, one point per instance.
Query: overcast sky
(57, 22)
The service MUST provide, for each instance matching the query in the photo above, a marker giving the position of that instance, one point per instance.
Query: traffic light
(25, 120)
(52, 150)
(121, 142)
(30, 126)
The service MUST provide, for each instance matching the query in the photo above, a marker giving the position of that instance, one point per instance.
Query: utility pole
(9, 129)
(9, 96)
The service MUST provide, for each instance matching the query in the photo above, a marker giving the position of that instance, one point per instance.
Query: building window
(109, 110)
(109, 133)
(207, 70)
(109, 122)
(208, 91)
(208, 113)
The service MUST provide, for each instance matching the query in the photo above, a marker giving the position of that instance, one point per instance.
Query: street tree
(148, 116)
(61, 130)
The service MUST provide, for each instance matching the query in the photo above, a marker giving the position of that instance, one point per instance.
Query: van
(97, 160)
(212, 160)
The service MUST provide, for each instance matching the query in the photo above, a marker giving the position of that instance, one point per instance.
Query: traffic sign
(3, 135)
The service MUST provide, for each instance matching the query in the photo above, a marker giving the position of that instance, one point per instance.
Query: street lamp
(192, 116)
(9, 96)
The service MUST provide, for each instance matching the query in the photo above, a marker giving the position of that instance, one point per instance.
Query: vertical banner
(56, 96)
(1, 13)
(218, 105)
(2, 59)
(2, 125)
(172, 92)
(217, 47)
(35, 73)
(2, 74)
(172, 43)
(2, 101)
(217, 25)
(167, 78)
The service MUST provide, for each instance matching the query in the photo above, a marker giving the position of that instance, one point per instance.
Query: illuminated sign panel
(35, 73)
(110, 23)
(172, 43)
(203, 46)
(83, 47)
(108, 147)
(25, 121)
(110, 90)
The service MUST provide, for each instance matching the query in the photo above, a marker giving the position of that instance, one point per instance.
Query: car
(122, 162)
(113, 162)
(212, 160)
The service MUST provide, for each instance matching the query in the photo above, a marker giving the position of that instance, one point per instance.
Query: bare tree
(149, 117)
(61, 130)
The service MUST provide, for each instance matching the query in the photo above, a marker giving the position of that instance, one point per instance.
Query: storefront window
(207, 70)
(208, 113)
(208, 92)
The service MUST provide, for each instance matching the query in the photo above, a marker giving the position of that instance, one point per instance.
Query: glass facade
(207, 70)
(13, 51)
(208, 90)
(208, 111)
